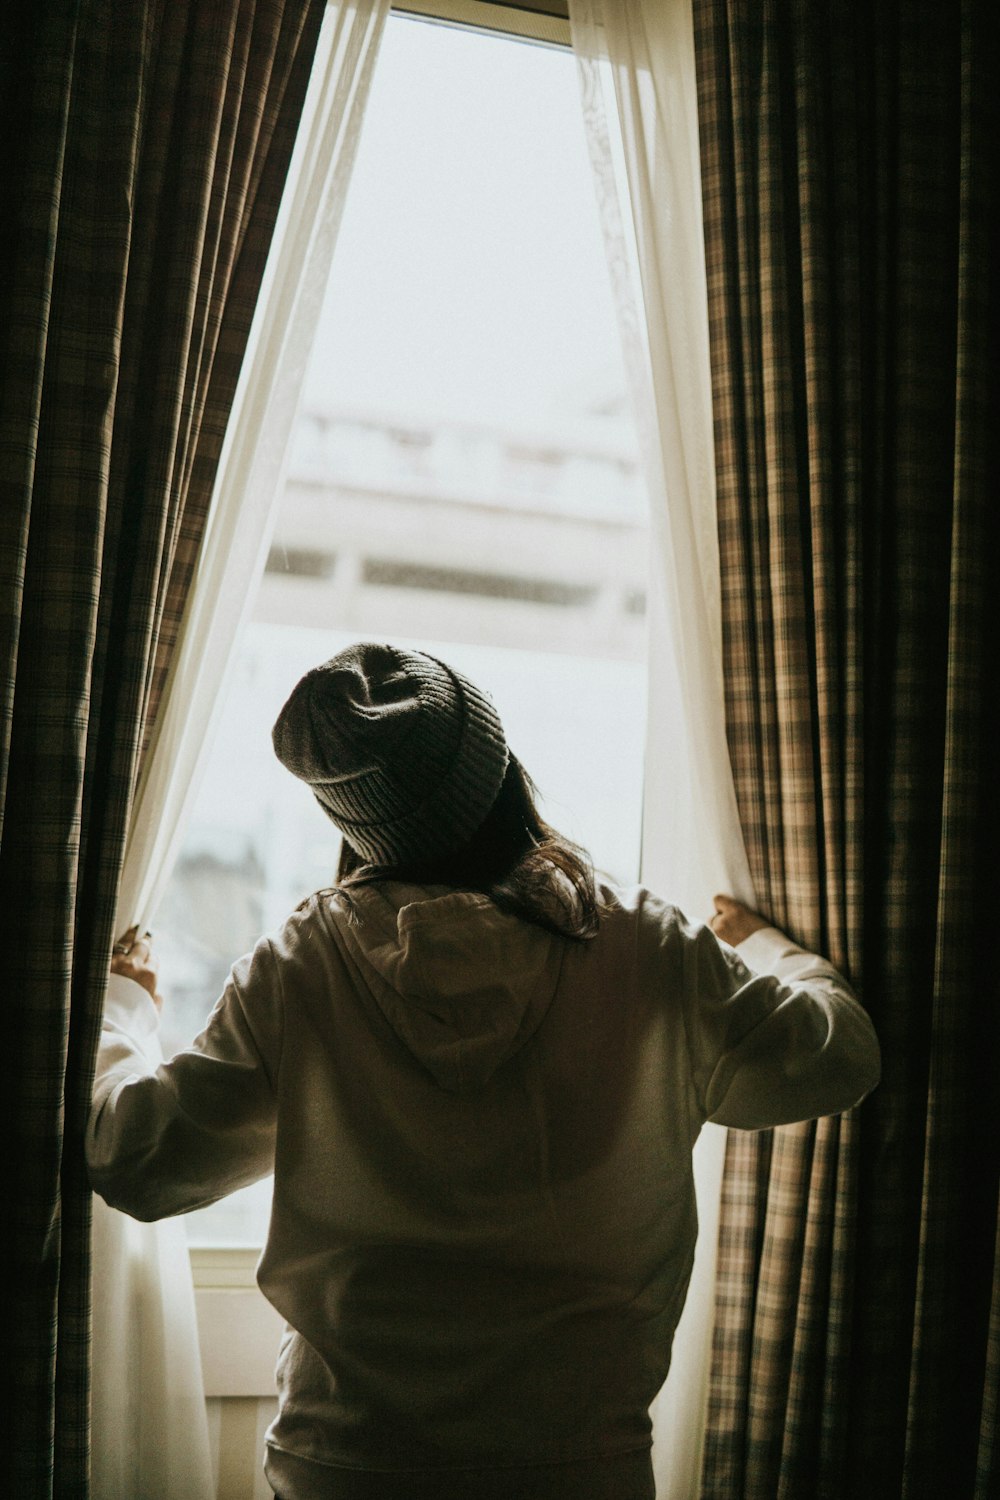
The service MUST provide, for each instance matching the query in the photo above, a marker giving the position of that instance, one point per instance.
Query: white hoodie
(483, 1219)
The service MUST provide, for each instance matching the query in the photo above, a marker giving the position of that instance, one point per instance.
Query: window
(464, 478)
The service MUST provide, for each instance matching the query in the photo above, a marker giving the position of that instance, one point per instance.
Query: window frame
(545, 21)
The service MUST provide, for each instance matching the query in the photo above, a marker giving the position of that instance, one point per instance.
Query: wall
(239, 1334)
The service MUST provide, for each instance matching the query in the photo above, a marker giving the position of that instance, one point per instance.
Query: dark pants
(623, 1477)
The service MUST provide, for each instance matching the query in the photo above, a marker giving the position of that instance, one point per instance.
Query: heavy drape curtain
(145, 150)
(849, 158)
(637, 73)
(150, 1435)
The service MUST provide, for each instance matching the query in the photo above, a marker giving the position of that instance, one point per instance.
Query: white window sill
(238, 1329)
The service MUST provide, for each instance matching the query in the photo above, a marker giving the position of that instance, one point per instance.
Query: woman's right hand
(733, 921)
(133, 957)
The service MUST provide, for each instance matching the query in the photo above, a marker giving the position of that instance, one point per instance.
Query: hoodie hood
(463, 985)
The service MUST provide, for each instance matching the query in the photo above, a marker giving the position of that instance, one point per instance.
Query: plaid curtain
(849, 157)
(145, 146)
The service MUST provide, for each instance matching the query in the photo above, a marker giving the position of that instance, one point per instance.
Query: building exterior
(455, 532)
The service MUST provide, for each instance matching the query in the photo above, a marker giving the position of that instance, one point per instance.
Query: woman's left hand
(733, 922)
(133, 957)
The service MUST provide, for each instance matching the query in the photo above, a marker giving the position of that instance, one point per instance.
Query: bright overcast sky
(469, 279)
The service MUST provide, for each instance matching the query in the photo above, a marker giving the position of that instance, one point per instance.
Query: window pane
(463, 479)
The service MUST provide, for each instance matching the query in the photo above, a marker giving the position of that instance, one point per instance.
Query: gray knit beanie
(404, 754)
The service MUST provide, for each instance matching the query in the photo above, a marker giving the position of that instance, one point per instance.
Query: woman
(477, 1074)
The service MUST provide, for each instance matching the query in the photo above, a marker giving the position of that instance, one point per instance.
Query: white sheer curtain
(636, 62)
(150, 1437)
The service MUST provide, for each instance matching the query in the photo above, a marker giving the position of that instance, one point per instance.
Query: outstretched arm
(164, 1138)
(778, 1033)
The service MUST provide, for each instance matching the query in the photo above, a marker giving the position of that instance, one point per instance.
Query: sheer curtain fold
(638, 89)
(253, 460)
(150, 1429)
(640, 108)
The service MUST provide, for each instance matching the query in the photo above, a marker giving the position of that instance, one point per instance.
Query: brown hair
(514, 857)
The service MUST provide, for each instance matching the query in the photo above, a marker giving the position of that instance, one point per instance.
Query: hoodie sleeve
(164, 1138)
(776, 1034)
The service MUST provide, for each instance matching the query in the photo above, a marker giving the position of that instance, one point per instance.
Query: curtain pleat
(144, 151)
(849, 160)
